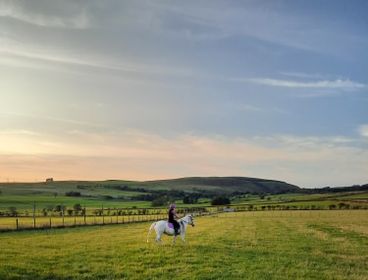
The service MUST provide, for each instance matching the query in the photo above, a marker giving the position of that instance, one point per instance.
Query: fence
(37, 220)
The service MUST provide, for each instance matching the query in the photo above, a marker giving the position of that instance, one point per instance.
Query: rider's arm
(176, 215)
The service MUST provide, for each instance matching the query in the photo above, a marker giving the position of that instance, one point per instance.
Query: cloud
(307, 161)
(363, 130)
(339, 84)
(12, 9)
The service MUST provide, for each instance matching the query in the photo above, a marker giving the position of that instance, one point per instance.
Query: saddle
(171, 226)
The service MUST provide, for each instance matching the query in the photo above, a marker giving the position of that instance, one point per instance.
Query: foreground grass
(249, 245)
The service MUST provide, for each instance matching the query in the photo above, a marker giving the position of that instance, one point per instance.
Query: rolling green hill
(119, 193)
(225, 184)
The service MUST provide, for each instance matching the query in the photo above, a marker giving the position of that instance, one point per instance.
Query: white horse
(162, 227)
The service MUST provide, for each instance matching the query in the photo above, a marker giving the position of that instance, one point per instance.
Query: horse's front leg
(182, 237)
(174, 240)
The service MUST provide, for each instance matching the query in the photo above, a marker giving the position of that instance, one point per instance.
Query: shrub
(72, 193)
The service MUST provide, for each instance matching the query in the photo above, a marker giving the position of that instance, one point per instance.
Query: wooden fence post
(34, 214)
(50, 222)
(62, 211)
(16, 223)
(103, 215)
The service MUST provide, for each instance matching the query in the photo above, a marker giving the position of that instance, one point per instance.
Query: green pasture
(25, 202)
(247, 245)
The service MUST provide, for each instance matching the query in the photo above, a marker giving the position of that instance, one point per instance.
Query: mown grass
(248, 245)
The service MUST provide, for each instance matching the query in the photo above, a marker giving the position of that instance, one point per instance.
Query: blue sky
(163, 89)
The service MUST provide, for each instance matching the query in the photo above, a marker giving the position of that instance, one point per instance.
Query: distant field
(248, 245)
(24, 202)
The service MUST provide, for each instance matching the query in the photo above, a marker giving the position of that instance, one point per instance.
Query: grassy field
(248, 245)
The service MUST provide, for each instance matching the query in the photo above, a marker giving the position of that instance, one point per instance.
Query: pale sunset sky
(146, 90)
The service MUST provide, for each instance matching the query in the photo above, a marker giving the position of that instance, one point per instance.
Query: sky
(144, 90)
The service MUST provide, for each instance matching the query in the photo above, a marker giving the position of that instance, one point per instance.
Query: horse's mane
(186, 216)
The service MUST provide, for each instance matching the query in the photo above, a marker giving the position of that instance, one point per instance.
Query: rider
(172, 216)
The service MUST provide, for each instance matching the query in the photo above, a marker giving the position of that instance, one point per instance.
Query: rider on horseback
(172, 216)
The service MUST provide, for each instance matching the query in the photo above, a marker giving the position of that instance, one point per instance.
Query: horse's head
(191, 220)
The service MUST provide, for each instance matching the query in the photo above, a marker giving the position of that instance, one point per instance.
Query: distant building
(49, 180)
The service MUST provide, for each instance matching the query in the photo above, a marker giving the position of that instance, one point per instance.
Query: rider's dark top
(171, 216)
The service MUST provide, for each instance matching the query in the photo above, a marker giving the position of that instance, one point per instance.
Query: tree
(13, 211)
(44, 212)
(77, 207)
(59, 208)
(220, 200)
(332, 206)
(190, 199)
(160, 201)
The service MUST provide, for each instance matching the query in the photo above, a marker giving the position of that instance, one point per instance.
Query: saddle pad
(171, 225)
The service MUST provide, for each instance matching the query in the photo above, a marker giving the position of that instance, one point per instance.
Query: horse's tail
(150, 229)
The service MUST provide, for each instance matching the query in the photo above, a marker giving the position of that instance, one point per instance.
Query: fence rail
(108, 216)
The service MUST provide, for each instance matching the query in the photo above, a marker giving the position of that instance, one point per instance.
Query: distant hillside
(353, 188)
(115, 188)
(223, 184)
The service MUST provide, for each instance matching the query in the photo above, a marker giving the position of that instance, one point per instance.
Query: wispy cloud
(266, 22)
(345, 85)
(363, 130)
(257, 109)
(304, 75)
(53, 119)
(16, 54)
(12, 9)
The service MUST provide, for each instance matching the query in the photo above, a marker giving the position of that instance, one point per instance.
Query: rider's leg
(176, 227)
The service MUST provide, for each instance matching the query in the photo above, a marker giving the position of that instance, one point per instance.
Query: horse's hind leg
(158, 238)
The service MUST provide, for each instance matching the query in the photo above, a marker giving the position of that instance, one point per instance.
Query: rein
(184, 221)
